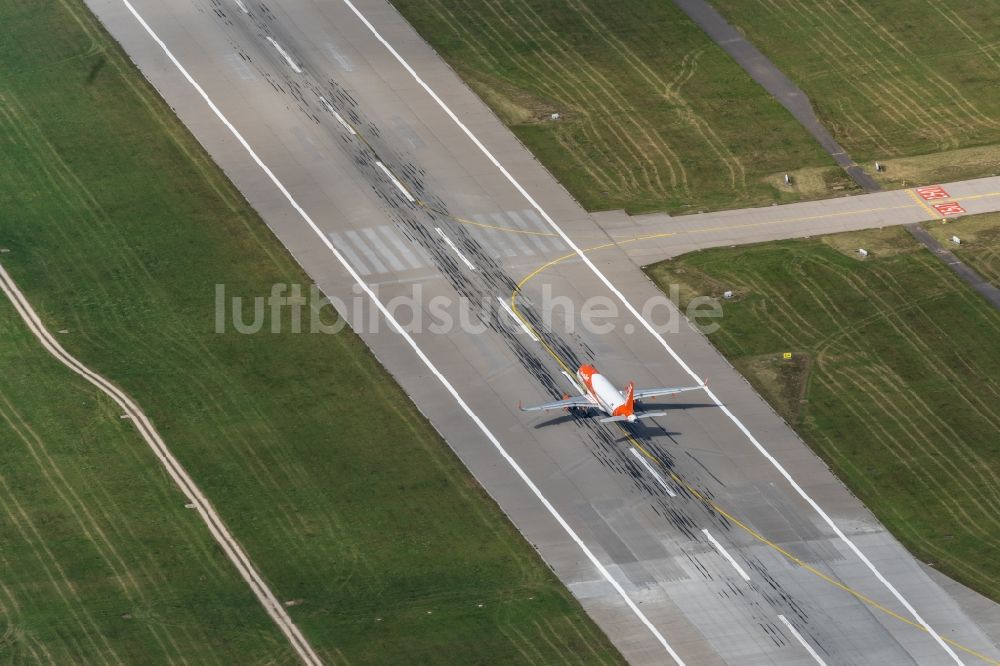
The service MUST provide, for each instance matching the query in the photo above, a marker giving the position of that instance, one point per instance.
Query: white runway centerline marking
(395, 181)
(673, 354)
(284, 54)
(725, 554)
(656, 475)
(340, 118)
(243, 8)
(520, 323)
(454, 248)
(809, 648)
(535, 490)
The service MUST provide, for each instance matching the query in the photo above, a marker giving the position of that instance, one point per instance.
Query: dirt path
(229, 545)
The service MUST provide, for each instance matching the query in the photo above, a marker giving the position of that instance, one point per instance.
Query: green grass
(980, 247)
(653, 114)
(892, 79)
(100, 557)
(893, 378)
(118, 227)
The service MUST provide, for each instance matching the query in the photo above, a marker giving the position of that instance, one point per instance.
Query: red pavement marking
(949, 208)
(931, 192)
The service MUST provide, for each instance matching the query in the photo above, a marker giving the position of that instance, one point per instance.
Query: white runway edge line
(517, 319)
(395, 181)
(180, 477)
(656, 475)
(649, 327)
(798, 636)
(410, 341)
(725, 554)
(454, 248)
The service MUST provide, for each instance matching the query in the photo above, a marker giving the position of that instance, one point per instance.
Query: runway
(712, 535)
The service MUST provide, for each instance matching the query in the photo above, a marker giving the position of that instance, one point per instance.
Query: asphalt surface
(656, 236)
(711, 535)
(974, 279)
(764, 72)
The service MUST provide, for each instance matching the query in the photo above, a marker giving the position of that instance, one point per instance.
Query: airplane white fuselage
(601, 391)
(603, 396)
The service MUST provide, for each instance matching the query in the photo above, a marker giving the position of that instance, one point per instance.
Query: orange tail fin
(629, 406)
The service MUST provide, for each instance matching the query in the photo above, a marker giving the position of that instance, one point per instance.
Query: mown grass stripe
(901, 397)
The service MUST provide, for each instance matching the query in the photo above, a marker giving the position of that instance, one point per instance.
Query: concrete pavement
(663, 236)
(373, 165)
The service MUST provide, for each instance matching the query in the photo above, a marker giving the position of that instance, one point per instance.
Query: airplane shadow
(646, 406)
(564, 418)
(644, 428)
(647, 427)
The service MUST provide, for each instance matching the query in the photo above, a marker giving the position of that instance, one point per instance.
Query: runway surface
(656, 236)
(711, 535)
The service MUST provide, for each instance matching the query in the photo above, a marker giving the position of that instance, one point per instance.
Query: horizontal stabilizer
(640, 415)
(644, 394)
(566, 403)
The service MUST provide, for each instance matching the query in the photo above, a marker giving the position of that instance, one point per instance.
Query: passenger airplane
(602, 395)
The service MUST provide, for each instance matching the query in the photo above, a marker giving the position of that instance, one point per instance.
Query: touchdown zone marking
(763, 451)
(406, 336)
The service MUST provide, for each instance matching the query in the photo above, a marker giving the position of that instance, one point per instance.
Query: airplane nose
(631, 418)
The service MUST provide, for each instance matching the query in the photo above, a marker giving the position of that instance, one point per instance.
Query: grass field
(893, 378)
(117, 227)
(653, 114)
(911, 78)
(101, 561)
(980, 247)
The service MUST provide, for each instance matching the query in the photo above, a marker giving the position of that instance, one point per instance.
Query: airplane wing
(642, 394)
(576, 401)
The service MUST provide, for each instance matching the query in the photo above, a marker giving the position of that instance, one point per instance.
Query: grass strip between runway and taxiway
(652, 114)
(910, 83)
(117, 227)
(979, 242)
(892, 377)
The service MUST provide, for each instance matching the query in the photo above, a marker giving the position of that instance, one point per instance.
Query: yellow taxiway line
(708, 502)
